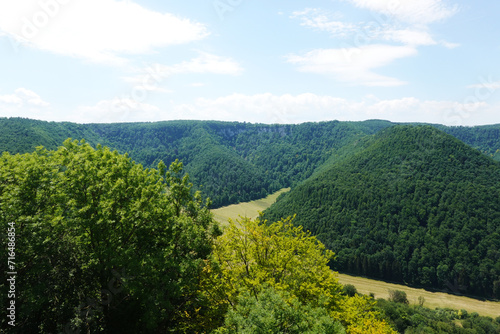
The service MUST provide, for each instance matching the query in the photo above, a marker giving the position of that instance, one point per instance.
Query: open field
(365, 285)
(247, 209)
(432, 299)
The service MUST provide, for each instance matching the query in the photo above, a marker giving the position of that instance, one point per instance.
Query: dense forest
(111, 240)
(230, 162)
(412, 205)
(102, 245)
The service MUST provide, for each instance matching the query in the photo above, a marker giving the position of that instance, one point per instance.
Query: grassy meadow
(432, 299)
(247, 209)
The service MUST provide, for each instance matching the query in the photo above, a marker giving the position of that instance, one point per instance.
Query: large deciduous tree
(253, 256)
(102, 244)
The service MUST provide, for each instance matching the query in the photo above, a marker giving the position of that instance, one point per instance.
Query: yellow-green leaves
(253, 256)
(280, 254)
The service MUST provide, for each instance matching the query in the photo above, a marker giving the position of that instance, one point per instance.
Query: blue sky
(260, 61)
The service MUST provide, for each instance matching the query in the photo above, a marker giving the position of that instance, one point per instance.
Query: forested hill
(231, 162)
(413, 205)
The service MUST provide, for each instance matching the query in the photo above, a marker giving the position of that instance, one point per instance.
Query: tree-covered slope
(485, 138)
(22, 135)
(413, 205)
(229, 161)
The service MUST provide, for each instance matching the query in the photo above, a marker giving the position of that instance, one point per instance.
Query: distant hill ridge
(230, 161)
(412, 204)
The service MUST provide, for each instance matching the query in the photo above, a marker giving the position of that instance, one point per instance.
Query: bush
(398, 296)
(349, 290)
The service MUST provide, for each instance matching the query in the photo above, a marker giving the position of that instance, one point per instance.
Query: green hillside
(103, 244)
(413, 205)
(230, 162)
(21, 135)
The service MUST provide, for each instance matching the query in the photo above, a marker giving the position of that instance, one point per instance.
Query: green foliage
(230, 162)
(349, 290)
(21, 135)
(417, 319)
(272, 312)
(484, 138)
(398, 296)
(103, 245)
(252, 256)
(412, 205)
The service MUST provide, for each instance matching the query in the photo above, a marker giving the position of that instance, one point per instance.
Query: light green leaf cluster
(280, 254)
(269, 312)
(258, 264)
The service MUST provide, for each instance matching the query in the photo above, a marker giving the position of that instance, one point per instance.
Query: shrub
(349, 290)
(398, 296)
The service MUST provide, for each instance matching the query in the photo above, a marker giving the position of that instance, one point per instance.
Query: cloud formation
(151, 77)
(396, 30)
(103, 31)
(23, 97)
(287, 109)
(116, 110)
(421, 12)
(24, 103)
(354, 65)
(263, 108)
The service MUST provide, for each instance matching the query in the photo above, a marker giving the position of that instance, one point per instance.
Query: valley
(246, 209)
(412, 204)
(365, 285)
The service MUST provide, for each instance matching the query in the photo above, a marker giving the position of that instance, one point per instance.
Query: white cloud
(354, 65)
(115, 110)
(404, 23)
(31, 98)
(489, 85)
(205, 63)
(24, 103)
(324, 21)
(450, 45)
(287, 109)
(267, 108)
(367, 32)
(97, 30)
(11, 99)
(261, 108)
(408, 36)
(151, 77)
(23, 97)
(421, 12)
